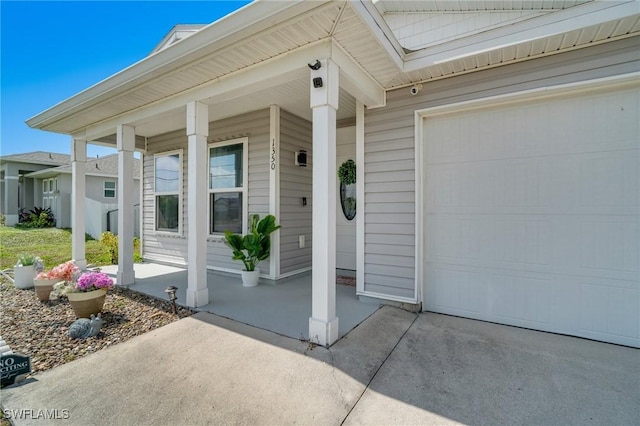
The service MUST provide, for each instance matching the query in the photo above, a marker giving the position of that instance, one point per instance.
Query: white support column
(360, 196)
(323, 324)
(197, 184)
(78, 193)
(126, 140)
(274, 187)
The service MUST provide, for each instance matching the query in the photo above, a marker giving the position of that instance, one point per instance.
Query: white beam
(125, 139)
(244, 82)
(355, 80)
(323, 324)
(563, 21)
(197, 196)
(78, 193)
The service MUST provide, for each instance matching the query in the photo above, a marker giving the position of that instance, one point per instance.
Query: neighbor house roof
(106, 166)
(38, 157)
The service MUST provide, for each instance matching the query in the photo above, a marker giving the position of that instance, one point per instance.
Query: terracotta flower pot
(43, 288)
(88, 303)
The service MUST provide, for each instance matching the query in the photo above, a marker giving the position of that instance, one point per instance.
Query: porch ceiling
(268, 33)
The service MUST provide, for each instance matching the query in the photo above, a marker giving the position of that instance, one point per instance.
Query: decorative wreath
(347, 172)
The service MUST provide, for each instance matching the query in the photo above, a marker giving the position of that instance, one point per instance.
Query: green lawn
(51, 244)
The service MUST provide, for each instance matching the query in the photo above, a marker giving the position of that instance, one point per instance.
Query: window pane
(167, 212)
(45, 186)
(109, 185)
(168, 173)
(109, 193)
(225, 167)
(226, 212)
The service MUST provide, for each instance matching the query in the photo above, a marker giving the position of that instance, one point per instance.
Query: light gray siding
(162, 247)
(390, 213)
(295, 183)
(254, 126)
(173, 249)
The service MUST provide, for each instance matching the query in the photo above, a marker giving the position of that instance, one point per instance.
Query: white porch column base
(78, 193)
(323, 332)
(197, 297)
(125, 277)
(197, 199)
(126, 138)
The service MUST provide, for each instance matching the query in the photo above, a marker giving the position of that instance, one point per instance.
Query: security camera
(315, 66)
(415, 89)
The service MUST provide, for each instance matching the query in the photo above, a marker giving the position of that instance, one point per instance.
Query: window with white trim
(167, 191)
(227, 186)
(109, 189)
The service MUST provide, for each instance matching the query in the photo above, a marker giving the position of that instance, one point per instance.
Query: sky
(51, 50)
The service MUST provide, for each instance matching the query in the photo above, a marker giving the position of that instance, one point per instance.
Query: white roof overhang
(257, 57)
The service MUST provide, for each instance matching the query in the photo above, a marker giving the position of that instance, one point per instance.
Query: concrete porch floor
(283, 306)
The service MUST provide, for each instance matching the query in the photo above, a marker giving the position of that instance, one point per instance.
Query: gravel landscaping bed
(39, 329)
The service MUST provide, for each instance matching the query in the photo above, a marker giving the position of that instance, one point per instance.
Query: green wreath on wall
(347, 172)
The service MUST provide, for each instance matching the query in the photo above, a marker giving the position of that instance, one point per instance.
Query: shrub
(110, 243)
(36, 218)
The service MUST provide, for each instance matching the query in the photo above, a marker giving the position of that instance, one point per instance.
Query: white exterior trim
(243, 82)
(247, 21)
(126, 140)
(78, 192)
(360, 202)
(180, 152)
(197, 132)
(245, 185)
(274, 187)
(574, 18)
(619, 81)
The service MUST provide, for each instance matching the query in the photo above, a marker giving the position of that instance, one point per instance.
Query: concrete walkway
(395, 368)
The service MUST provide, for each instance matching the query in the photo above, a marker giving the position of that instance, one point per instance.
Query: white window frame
(245, 183)
(114, 189)
(179, 232)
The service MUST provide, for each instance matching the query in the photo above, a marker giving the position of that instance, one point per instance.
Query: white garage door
(532, 214)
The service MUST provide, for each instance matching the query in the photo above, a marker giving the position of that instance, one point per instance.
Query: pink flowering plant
(90, 281)
(67, 271)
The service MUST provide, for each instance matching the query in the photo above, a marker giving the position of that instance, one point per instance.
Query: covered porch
(283, 307)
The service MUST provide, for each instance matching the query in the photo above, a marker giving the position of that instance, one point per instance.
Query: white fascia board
(551, 24)
(274, 71)
(370, 15)
(355, 80)
(251, 19)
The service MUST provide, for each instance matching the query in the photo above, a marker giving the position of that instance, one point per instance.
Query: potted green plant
(25, 270)
(252, 248)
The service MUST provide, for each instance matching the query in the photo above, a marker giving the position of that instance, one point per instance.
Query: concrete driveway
(395, 368)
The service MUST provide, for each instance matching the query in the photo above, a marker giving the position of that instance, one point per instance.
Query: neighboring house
(496, 146)
(50, 187)
(17, 190)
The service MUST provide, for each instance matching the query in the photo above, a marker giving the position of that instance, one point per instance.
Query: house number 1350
(273, 154)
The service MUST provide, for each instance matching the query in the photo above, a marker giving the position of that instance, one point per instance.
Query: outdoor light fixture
(300, 158)
(171, 291)
(315, 66)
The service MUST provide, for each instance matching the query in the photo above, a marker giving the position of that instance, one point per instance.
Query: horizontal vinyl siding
(390, 209)
(160, 247)
(254, 126)
(295, 183)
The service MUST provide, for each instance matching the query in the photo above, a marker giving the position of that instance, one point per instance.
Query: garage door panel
(532, 214)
